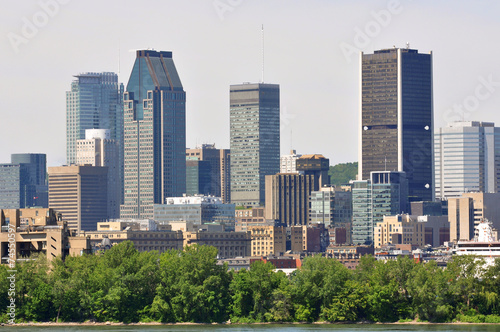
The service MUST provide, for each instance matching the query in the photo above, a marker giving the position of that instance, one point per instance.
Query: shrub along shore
(124, 285)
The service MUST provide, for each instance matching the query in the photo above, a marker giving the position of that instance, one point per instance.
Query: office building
(156, 238)
(342, 213)
(467, 211)
(36, 163)
(267, 239)
(467, 158)
(155, 134)
(385, 194)
(396, 118)
(80, 194)
(95, 101)
(322, 206)
(98, 149)
(426, 208)
(287, 198)
(255, 140)
(198, 173)
(288, 162)
(228, 244)
(313, 238)
(16, 189)
(37, 231)
(217, 182)
(330, 206)
(399, 229)
(317, 165)
(196, 209)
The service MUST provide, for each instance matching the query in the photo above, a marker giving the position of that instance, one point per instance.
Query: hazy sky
(311, 50)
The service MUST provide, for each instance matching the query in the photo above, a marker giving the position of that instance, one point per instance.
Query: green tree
(33, 292)
(315, 285)
(385, 302)
(342, 173)
(192, 287)
(430, 295)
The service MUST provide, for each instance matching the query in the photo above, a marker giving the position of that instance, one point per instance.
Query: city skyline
(329, 37)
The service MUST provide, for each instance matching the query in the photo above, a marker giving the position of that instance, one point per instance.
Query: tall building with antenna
(255, 140)
(396, 117)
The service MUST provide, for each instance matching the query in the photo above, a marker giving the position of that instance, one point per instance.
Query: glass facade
(35, 178)
(322, 206)
(385, 194)
(397, 117)
(467, 158)
(95, 101)
(198, 210)
(255, 140)
(155, 134)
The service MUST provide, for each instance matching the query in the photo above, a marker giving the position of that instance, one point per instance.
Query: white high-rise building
(467, 158)
(98, 149)
(288, 162)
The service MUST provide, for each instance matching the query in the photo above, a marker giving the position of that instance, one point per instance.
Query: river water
(267, 328)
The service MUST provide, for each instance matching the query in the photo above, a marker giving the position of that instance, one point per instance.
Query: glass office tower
(467, 158)
(396, 117)
(255, 140)
(155, 134)
(94, 102)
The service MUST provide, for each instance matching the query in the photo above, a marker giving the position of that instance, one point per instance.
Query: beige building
(251, 215)
(159, 238)
(465, 212)
(228, 244)
(287, 198)
(399, 229)
(37, 231)
(80, 194)
(267, 239)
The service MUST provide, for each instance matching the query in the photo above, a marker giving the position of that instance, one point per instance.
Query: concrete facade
(80, 194)
(287, 198)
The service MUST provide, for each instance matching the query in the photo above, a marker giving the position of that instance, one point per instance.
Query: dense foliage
(125, 285)
(342, 173)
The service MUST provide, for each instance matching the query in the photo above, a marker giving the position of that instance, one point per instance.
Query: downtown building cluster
(130, 175)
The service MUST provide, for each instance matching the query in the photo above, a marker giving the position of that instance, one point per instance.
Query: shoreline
(62, 324)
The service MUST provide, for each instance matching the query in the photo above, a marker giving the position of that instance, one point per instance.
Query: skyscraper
(95, 101)
(155, 134)
(396, 117)
(255, 140)
(467, 158)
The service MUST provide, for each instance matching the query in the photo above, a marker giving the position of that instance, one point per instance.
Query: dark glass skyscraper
(396, 117)
(36, 164)
(154, 134)
(255, 140)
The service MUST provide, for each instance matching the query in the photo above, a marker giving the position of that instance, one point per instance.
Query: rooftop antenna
(262, 53)
(118, 58)
(407, 45)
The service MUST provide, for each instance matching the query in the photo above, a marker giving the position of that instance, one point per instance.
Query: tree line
(125, 285)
